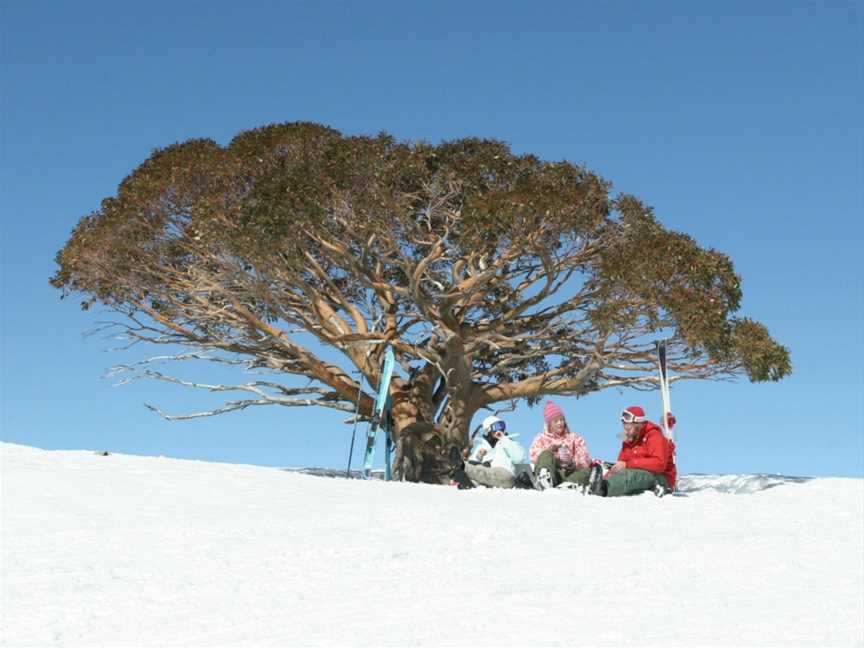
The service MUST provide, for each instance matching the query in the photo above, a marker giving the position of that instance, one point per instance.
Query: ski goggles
(629, 417)
(497, 426)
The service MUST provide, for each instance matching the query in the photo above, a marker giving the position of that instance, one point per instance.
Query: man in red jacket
(646, 460)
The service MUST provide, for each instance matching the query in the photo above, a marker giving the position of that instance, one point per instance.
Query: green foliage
(663, 274)
(255, 214)
(760, 356)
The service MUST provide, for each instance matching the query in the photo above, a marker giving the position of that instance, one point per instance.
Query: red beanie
(550, 411)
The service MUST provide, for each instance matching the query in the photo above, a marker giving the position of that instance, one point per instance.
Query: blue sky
(739, 122)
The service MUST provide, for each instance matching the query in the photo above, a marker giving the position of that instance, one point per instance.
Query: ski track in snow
(142, 551)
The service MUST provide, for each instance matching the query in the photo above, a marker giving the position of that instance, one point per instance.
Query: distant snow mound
(335, 472)
(687, 484)
(735, 484)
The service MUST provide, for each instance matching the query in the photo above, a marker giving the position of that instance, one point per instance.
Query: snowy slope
(141, 551)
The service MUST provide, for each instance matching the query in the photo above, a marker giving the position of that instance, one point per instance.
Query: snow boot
(596, 482)
(526, 481)
(458, 477)
(660, 490)
(460, 480)
(544, 479)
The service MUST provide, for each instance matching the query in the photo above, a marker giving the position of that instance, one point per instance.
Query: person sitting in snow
(494, 461)
(646, 461)
(559, 456)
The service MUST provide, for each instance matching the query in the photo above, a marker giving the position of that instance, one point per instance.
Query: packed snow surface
(140, 551)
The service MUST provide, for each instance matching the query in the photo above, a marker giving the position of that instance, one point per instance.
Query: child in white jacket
(494, 460)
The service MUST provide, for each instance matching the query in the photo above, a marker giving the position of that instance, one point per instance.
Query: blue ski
(382, 405)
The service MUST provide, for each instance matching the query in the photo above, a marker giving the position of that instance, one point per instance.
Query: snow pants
(548, 459)
(632, 481)
(492, 477)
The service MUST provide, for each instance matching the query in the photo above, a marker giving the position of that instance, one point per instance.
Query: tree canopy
(493, 276)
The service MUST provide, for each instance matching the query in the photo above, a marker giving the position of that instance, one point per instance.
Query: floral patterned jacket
(578, 450)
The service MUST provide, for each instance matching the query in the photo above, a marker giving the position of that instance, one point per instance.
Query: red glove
(670, 420)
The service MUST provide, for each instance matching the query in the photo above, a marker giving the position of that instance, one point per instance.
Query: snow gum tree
(495, 278)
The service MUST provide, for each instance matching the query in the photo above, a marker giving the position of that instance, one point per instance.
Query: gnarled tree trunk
(422, 444)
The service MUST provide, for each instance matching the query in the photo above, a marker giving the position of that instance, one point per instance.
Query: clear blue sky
(740, 122)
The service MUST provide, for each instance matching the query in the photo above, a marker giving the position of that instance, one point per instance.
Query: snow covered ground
(140, 551)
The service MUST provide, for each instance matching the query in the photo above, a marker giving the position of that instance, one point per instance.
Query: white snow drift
(140, 551)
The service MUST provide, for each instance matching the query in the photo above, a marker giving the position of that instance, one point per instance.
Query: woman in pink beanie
(558, 454)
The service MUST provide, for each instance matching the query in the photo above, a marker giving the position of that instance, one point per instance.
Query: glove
(565, 458)
(670, 420)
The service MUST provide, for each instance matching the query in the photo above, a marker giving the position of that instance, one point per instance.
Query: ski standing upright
(668, 420)
(380, 417)
(664, 389)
